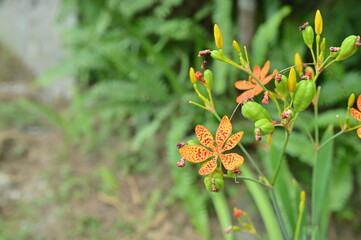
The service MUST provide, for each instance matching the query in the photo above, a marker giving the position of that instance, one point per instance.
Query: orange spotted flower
(214, 148)
(357, 114)
(251, 85)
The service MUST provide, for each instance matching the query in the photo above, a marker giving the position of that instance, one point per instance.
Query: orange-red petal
(245, 95)
(265, 69)
(244, 85)
(231, 161)
(233, 141)
(256, 72)
(223, 132)
(267, 79)
(358, 131)
(195, 153)
(208, 167)
(359, 102)
(204, 136)
(355, 113)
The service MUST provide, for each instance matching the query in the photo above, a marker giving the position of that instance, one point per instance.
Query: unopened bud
(265, 98)
(292, 80)
(218, 36)
(200, 78)
(237, 212)
(181, 163)
(192, 75)
(236, 46)
(351, 100)
(298, 62)
(318, 22)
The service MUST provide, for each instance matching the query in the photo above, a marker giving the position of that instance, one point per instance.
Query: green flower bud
(208, 76)
(214, 183)
(351, 100)
(264, 126)
(218, 55)
(305, 91)
(282, 86)
(254, 111)
(308, 36)
(236, 46)
(348, 48)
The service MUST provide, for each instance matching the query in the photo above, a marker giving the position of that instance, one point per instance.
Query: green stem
(317, 140)
(299, 219)
(252, 180)
(330, 139)
(283, 152)
(253, 162)
(278, 215)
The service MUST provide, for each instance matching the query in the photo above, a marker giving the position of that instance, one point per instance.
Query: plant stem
(283, 151)
(254, 180)
(278, 215)
(253, 162)
(330, 139)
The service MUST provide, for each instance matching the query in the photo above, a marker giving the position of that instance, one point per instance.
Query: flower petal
(267, 79)
(244, 85)
(359, 102)
(223, 132)
(265, 69)
(204, 136)
(231, 161)
(245, 95)
(256, 72)
(358, 131)
(195, 153)
(208, 167)
(233, 141)
(355, 113)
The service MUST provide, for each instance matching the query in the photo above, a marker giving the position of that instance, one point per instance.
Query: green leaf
(321, 179)
(265, 34)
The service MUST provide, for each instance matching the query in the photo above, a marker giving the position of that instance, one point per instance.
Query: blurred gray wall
(30, 34)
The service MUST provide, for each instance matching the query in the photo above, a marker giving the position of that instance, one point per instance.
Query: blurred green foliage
(131, 58)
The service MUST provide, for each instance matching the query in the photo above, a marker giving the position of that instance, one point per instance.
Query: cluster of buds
(244, 221)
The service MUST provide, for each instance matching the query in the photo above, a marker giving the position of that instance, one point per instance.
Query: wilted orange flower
(214, 148)
(251, 85)
(357, 114)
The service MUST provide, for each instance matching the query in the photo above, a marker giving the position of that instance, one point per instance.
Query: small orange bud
(237, 212)
(218, 36)
(318, 22)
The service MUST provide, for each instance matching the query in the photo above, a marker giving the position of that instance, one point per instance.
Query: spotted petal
(223, 132)
(195, 153)
(231, 161)
(359, 102)
(233, 141)
(355, 113)
(204, 136)
(358, 131)
(208, 167)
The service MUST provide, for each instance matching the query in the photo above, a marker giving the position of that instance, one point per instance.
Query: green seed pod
(264, 125)
(254, 111)
(208, 76)
(214, 183)
(305, 91)
(348, 48)
(282, 86)
(218, 55)
(308, 36)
